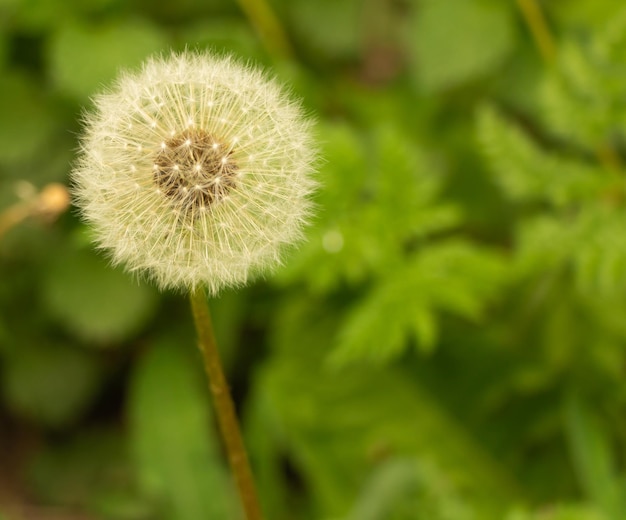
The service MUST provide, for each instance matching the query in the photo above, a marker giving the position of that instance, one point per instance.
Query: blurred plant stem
(224, 407)
(539, 29)
(544, 41)
(267, 24)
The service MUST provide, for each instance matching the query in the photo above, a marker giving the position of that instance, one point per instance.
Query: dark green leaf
(94, 301)
(51, 384)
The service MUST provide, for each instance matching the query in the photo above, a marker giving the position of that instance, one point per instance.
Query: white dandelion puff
(197, 171)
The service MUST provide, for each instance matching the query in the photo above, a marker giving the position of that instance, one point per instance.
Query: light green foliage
(586, 232)
(452, 276)
(576, 14)
(173, 446)
(569, 243)
(528, 173)
(570, 512)
(401, 487)
(479, 38)
(74, 47)
(370, 416)
(363, 178)
(594, 458)
(448, 343)
(376, 231)
(583, 99)
(591, 243)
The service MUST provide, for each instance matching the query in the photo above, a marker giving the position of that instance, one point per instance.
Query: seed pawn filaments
(196, 171)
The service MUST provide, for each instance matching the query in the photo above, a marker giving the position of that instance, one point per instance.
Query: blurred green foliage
(449, 343)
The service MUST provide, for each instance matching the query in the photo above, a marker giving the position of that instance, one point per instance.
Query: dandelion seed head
(189, 161)
(197, 170)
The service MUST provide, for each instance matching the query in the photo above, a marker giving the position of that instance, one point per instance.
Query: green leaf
(560, 512)
(175, 448)
(337, 247)
(583, 99)
(406, 187)
(50, 384)
(527, 173)
(454, 41)
(575, 105)
(95, 301)
(404, 489)
(336, 428)
(84, 58)
(593, 457)
(591, 242)
(575, 14)
(451, 276)
(375, 201)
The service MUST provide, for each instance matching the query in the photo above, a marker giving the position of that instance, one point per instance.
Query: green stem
(268, 26)
(539, 29)
(224, 407)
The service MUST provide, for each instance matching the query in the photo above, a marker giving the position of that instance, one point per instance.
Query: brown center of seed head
(194, 169)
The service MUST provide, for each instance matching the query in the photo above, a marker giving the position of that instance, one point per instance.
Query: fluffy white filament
(215, 227)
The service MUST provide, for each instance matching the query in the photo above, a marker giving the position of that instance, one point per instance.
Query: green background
(448, 344)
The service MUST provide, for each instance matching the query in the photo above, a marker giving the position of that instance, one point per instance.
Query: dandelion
(196, 171)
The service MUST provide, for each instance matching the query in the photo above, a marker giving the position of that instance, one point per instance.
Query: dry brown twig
(48, 204)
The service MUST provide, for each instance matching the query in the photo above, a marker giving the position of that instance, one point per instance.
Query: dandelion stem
(224, 407)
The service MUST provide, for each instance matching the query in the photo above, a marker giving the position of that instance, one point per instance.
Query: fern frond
(584, 98)
(375, 202)
(592, 244)
(528, 174)
(452, 276)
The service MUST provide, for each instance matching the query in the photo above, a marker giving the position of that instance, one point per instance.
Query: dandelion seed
(199, 208)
